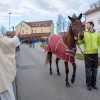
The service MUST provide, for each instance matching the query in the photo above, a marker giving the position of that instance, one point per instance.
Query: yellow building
(35, 29)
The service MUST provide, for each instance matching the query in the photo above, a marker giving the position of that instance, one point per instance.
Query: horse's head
(77, 27)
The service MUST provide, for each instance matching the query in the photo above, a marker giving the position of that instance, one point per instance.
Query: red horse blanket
(57, 47)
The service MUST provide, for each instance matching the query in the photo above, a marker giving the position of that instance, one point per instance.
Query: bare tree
(59, 23)
(2, 30)
(68, 22)
(65, 25)
(74, 15)
(62, 24)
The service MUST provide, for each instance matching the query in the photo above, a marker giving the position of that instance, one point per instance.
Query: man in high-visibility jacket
(91, 43)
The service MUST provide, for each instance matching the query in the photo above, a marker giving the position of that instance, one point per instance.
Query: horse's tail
(47, 59)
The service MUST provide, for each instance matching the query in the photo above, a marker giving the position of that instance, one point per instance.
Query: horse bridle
(77, 31)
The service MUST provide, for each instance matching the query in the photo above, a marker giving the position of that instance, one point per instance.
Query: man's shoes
(89, 88)
(95, 87)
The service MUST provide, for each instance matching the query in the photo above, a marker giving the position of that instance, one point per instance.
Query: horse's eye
(73, 23)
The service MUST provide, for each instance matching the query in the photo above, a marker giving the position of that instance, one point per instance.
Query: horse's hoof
(51, 73)
(59, 74)
(67, 85)
(72, 81)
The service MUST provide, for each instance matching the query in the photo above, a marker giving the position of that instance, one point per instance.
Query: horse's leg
(67, 71)
(50, 61)
(74, 73)
(57, 60)
(18, 48)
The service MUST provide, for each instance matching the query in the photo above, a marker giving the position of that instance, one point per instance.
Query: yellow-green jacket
(91, 42)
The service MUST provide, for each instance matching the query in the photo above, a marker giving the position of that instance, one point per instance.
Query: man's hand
(75, 38)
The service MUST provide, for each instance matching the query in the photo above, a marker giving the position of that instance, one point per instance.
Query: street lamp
(9, 22)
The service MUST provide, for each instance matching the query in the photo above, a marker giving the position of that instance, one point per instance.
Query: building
(35, 29)
(93, 14)
(10, 33)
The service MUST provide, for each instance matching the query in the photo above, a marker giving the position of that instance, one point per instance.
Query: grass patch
(43, 46)
(77, 55)
(81, 57)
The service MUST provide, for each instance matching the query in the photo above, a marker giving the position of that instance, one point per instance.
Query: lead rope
(90, 59)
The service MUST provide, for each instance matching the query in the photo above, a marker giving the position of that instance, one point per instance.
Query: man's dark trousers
(91, 66)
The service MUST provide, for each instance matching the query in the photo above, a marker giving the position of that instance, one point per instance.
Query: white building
(93, 14)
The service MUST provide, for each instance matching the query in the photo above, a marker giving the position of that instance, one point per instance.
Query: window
(32, 31)
(41, 30)
(92, 20)
(98, 31)
(35, 31)
(93, 6)
(98, 4)
(39, 25)
(99, 21)
(22, 31)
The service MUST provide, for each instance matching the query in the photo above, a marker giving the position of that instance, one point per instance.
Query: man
(33, 42)
(7, 67)
(91, 43)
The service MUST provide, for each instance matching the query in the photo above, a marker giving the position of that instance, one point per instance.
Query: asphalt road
(35, 83)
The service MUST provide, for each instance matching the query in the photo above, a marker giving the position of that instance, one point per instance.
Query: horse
(65, 47)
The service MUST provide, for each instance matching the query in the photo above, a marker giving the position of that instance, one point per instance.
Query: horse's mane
(70, 34)
(68, 38)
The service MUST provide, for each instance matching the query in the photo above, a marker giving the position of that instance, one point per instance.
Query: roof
(92, 11)
(35, 35)
(38, 23)
(10, 33)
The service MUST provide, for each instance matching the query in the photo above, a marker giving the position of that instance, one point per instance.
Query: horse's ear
(80, 16)
(72, 19)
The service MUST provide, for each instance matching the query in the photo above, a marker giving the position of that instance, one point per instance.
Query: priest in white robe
(7, 67)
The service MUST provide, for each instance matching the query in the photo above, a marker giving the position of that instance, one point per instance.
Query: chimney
(13, 28)
(98, 4)
(93, 6)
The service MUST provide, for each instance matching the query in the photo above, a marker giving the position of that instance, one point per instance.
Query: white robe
(8, 95)
(16, 39)
(7, 63)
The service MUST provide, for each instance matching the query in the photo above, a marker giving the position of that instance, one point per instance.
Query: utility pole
(9, 21)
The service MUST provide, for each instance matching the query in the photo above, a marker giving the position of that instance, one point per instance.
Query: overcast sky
(38, 10)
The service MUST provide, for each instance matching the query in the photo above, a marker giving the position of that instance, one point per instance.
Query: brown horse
(65, 47)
